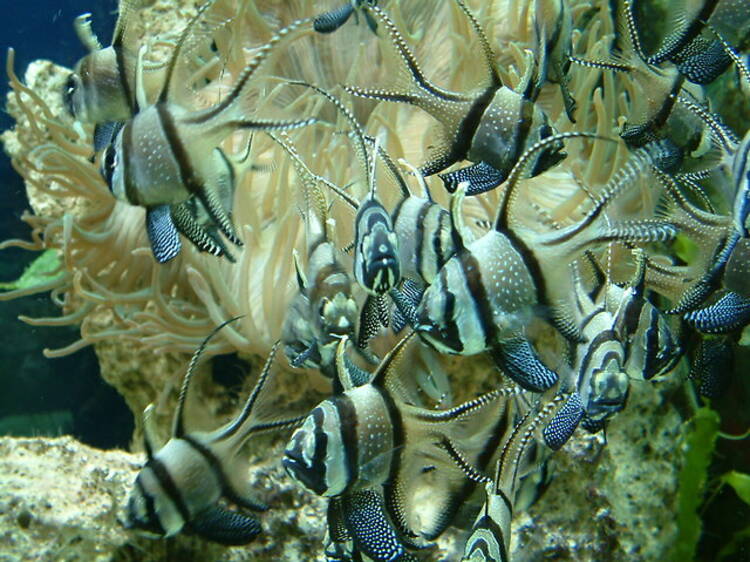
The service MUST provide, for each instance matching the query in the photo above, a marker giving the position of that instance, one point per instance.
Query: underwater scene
(381, 280)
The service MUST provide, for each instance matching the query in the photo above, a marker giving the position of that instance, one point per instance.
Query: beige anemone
(115, 291)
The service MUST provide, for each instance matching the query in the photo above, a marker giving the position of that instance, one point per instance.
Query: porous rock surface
(61, 500)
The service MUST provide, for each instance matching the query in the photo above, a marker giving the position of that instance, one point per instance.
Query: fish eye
(109, 163)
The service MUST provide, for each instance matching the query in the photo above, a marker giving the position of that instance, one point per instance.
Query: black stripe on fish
(170, 488)
(479, 297)
(349, 425)
(189, 180)
(600, 339)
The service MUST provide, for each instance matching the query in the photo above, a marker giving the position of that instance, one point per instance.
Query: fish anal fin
(223, 526)
(372, 532)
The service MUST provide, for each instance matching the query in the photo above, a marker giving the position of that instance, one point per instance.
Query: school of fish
(380, 301)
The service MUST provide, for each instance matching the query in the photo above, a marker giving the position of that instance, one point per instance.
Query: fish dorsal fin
(82, 26)
(359, 135)
(628, 30)
(392, 169)
(638, 282)
(179, 48)
(314, 198)
(371, 177)
(125, 11)
(511, 464)
(386, 375)
(150, 444)
(471, 472)
(459, 233)
(342, 369)
(299, 272)
(247, 409)
(420, 179)
(582, 298)
(502, 219)
(600, 275)
(178, 429)
(487, 52)
(141, 100)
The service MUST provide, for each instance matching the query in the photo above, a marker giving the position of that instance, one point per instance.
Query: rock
(61, 500)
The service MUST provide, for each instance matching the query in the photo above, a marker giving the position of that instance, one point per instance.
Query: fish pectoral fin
(517, 359)
(162, 234)
(223, 526)
(481, 178)
(731, 312)
(705, 63)
(246, 501)
(372, 532)
(561, 427)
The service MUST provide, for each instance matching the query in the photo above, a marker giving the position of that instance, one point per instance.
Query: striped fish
(101, 87)
(486, 293)
(371, 450)
(651, 346)
(323, 310)
(110, 84)
(165, 154)
(377, 267)
(490, 126)
(490, 535)
(659, 86)
(180, 486)
(556, 22)
(599, 366)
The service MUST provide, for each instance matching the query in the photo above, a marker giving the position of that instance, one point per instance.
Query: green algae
(43, 269)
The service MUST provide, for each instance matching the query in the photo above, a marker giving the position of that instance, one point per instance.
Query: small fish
(101, 88)
(490, 535)
(166, 154)
(599, 365)
(180, 487)
(659, 86)
(485, 294)
(491, 126)
(377, 268)
(324, 310)
(557, 34)
(369, 448)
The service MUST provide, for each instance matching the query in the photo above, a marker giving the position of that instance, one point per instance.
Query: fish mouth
(300, 472)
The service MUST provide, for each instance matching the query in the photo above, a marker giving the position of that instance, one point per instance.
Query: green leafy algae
(741, 484)
(698, 451)
(42, 270)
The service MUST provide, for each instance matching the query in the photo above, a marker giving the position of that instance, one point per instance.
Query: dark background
(33, 386)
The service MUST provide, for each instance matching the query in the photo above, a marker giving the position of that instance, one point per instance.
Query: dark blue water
(47, 395)
(39, 29)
